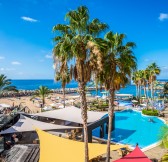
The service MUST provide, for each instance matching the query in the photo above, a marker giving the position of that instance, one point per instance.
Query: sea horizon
(33, 84)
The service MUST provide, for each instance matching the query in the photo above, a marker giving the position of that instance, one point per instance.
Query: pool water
(131, 127)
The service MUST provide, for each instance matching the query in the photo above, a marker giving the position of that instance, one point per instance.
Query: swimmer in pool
(150, 120)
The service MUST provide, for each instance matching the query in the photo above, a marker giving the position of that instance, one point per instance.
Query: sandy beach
(32, 104)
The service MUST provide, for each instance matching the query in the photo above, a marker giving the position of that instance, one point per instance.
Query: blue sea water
(132, 127)
(34, 84)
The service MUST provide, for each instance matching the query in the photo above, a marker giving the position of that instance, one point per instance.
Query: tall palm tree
(135, 78)
(144, 82)
(5, 85)
(75, 44)
(140, 79)
(153, 71)
(42, 92)
(118, 65)
(64, 77)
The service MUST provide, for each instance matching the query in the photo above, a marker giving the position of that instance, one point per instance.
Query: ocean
(51, 84)
(34, 84)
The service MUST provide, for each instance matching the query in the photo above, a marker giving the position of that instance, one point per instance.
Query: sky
(26, 32)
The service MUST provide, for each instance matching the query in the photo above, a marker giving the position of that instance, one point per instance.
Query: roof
(26, 124)
(136, 155)
(72, 114)
(56, 149)
(23, 153)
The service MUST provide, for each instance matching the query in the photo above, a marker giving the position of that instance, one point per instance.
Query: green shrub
(104, 104)
(150, 112)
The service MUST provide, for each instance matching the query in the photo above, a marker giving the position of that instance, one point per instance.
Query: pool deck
(155, 153)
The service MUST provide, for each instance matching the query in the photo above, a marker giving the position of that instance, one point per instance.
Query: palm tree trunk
(84, 117)
(110, 112)
(64, 95)
(138, 92)
(145, 90)
(43, 100)
(151, 90)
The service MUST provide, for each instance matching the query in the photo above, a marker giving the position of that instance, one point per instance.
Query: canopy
(136, 155)
(123, 95)
(56, 149)
(72, 114)
(134, 101)
(26, 124)
(4, 105)
(105, 92)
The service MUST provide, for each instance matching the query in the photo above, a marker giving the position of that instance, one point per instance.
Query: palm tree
(75, 45)
(144, 80)
(153, 71)
(42, 92)
(135, 80)
(165, 90)
(119, 63)
(64, 77)
(163, 136)
(5, 85)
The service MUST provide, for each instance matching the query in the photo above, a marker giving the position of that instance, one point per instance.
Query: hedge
(150, 112)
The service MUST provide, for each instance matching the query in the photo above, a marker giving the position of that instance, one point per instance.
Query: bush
(150, 112)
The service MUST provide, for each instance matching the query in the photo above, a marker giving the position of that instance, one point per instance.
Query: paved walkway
(156, 153)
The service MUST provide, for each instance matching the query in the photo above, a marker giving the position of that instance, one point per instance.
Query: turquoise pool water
(131, 128)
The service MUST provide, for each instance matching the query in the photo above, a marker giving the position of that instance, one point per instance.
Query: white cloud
(15, 63)
(2, 58)
(163, 16)
(48, 56)
(28, 19)
(54, 66)
(7, 69)
(164, 68)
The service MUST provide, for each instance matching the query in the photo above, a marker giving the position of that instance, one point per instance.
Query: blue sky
(26, 32)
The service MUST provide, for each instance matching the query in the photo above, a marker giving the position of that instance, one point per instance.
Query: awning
(26, 124)
(4, 105)
(135, 156)
(57, 149)
(72, 114)
(123, 95)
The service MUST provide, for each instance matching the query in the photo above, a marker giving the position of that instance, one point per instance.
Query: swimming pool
(131, 127)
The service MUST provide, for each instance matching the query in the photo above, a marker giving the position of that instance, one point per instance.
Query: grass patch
(150, 112)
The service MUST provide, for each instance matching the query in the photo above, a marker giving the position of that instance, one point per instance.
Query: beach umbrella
(53, 104)
(143, 104)
(98, 96)
(4, 105)
(77, 96)
(134, 101)
(70, 101)
(47, 108)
